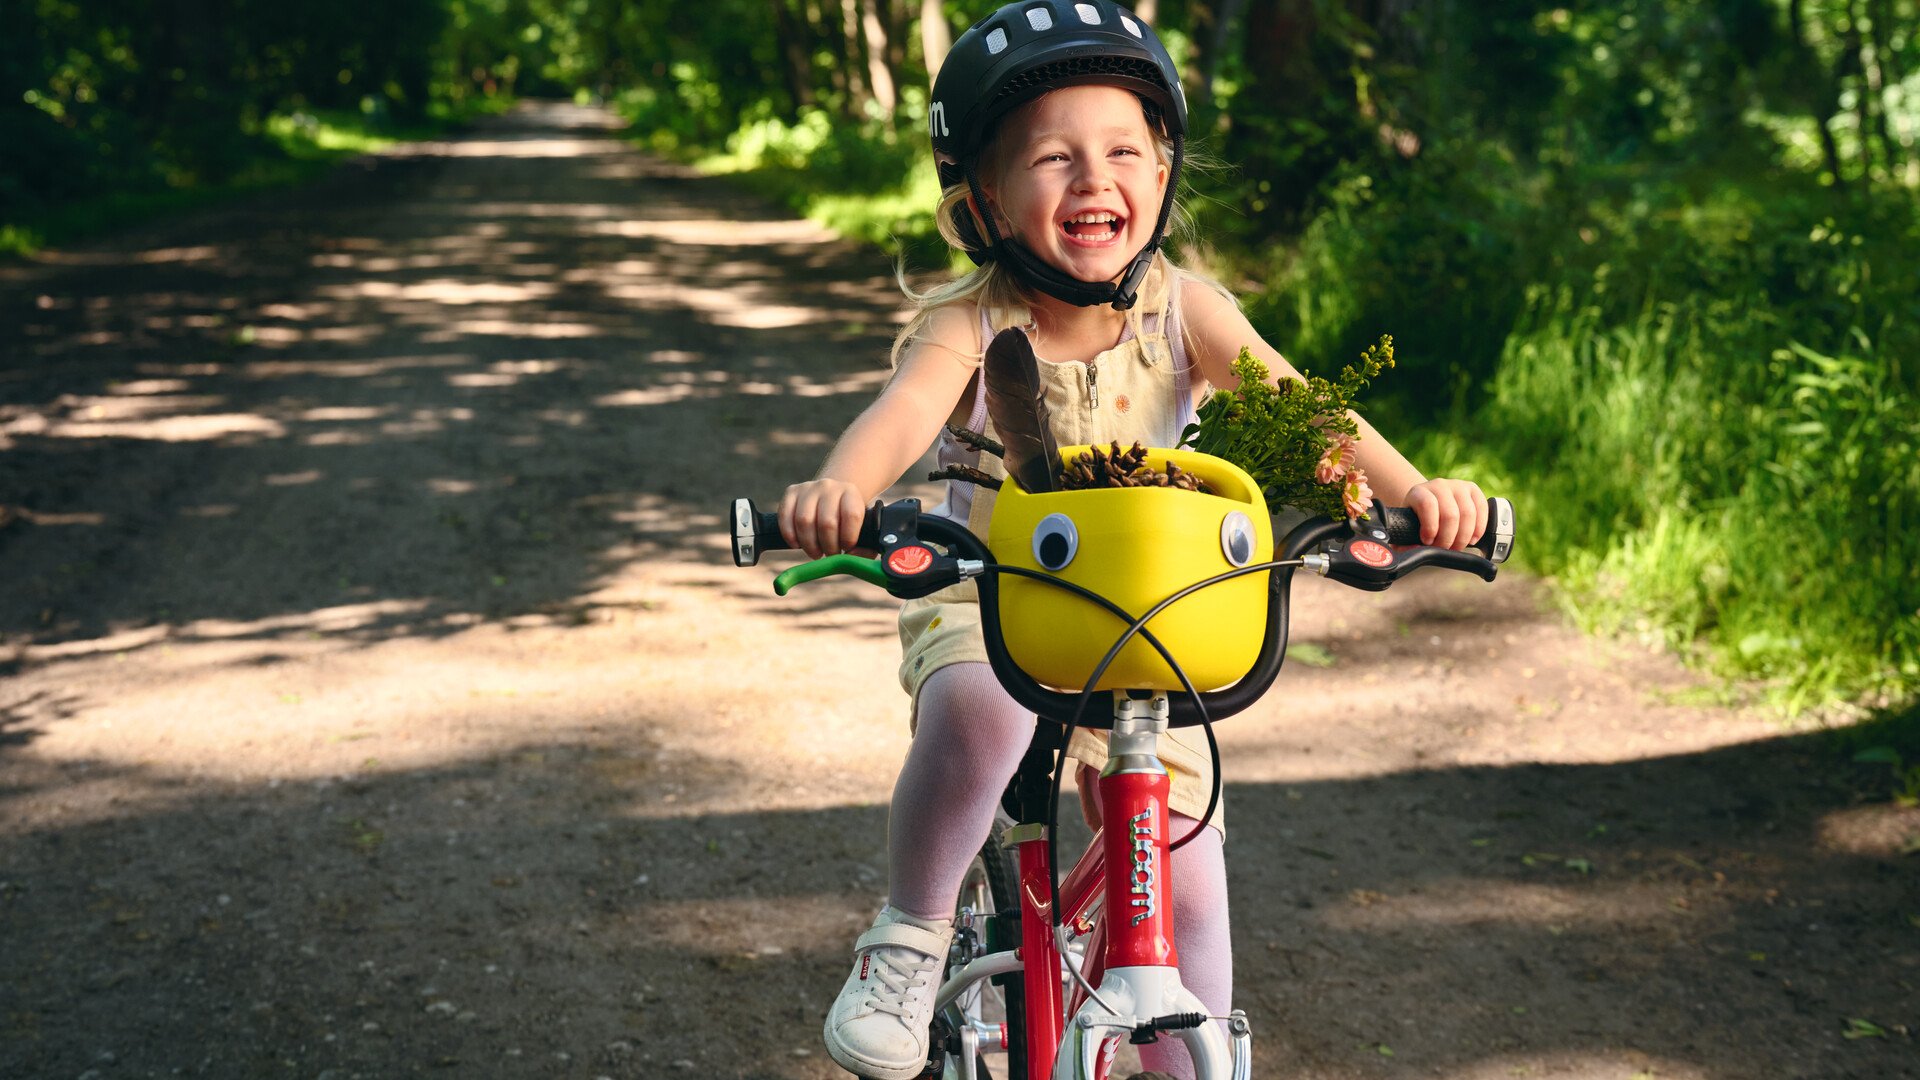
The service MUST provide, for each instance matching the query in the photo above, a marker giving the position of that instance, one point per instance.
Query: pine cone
(1111, 467)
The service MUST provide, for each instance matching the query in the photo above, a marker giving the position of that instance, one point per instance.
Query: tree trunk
(936, 37)
(857, 93)
(822, 20)
(1797, 23)
(1852, 61)
(893, 15)
(1212, 28)
(1148, 10)
(793, 46)
(1873, 62)
(879, 69)
(1278, 41)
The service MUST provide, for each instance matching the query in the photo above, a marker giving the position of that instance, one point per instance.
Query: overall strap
(1182, 365)
(977, 420)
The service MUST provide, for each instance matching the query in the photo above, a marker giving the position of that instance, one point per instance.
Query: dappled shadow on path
(469, 380)
(580, 906)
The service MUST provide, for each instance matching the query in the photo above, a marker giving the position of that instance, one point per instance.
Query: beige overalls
(1138, 390)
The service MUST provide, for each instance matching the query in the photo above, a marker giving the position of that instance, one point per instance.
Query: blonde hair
(995, 289)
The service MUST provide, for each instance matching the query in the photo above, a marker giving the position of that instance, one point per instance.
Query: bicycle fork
(1140, 993)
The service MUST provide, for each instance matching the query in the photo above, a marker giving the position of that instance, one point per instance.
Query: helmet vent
(1040, 18)
(997, 41)
(1129, 67)
(1132, 27)
(1089, 14)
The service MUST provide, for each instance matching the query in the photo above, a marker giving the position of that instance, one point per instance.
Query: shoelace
(898, 971)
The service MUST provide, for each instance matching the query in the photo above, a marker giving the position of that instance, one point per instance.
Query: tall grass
(1695, 476)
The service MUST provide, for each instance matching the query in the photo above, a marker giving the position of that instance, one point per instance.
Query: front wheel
(988, 920)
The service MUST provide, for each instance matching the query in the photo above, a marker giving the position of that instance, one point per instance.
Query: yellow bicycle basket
(1136, 547)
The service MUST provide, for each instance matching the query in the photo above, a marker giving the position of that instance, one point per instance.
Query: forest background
(1651, 267)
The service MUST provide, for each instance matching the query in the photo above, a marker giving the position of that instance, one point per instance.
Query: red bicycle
(1049, 974)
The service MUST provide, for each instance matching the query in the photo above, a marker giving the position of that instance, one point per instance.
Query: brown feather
(1017, 406)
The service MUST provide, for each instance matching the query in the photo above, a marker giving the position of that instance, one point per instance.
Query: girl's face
(1080, 179)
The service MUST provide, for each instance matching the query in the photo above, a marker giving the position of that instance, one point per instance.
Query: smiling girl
(1059, 128)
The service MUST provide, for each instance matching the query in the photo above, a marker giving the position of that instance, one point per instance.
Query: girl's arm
(822, 516)
(1453, 513)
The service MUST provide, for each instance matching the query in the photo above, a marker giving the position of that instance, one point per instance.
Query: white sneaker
(878, 1025)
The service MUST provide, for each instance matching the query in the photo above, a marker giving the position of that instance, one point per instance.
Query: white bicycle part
(973, 1011)
(966, 978)
(1142, 993)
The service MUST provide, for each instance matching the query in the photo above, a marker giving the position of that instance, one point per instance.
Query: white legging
(970, 739)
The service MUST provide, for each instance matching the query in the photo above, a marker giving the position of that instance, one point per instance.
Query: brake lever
(1365, 563)
(913, 568)
(1448, 559)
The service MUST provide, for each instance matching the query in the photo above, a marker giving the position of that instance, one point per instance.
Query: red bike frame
(1126, 864)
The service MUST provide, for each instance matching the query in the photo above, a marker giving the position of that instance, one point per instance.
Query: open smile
(1093, 228)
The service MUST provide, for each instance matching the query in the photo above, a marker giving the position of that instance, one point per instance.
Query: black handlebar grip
(754, 532)
(1403, 528)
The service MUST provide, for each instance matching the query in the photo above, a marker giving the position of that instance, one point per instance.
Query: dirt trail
(376, 697)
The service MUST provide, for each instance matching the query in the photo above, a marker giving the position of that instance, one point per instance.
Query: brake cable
(1135, 627)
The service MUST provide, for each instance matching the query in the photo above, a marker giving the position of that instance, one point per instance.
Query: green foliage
(1457, 231)
(1639, 297)
(121, 94)
(1288, 436)
(127, 109)
(1686, 493)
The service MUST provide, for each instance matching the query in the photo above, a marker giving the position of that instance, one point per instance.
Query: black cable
(1139, 627)
(1135, 627)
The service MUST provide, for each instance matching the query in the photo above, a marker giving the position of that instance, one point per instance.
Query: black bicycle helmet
(1027, 49)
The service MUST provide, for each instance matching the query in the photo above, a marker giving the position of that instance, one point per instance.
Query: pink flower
(1337, 460)
(1358, 494)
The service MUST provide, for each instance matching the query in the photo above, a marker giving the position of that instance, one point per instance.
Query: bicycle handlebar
(910, 568)
(756, 532)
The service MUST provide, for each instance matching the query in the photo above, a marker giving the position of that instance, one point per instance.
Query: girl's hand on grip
(1453, 513)
(822, 517)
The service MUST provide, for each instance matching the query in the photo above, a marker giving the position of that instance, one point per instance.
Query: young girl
(1059, 127)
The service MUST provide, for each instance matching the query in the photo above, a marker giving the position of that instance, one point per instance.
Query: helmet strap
(1033, 271)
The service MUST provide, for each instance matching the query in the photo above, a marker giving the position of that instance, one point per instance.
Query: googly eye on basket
(1237, 538)
(1055, 541)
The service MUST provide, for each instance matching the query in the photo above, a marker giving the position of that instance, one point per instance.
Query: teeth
(1092, 217)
